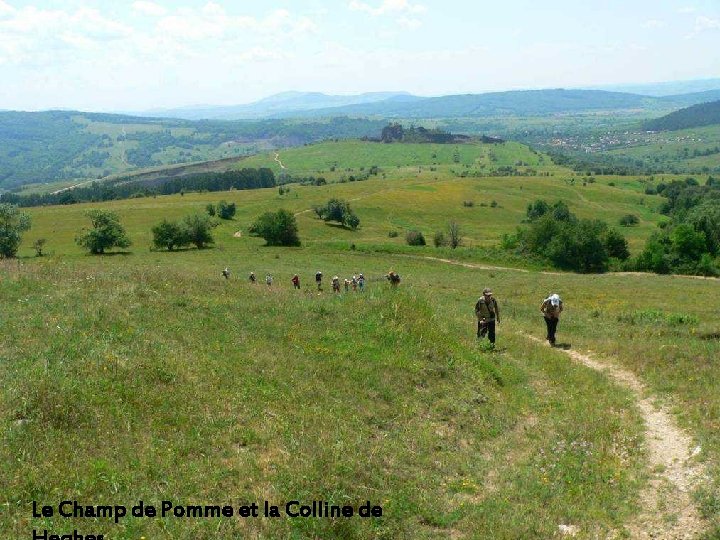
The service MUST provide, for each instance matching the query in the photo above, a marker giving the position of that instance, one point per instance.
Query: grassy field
(147, 376)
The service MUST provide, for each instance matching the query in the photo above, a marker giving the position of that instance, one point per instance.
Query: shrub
(210, 209)
(277, 228)
(13, 224)
(393, 234)
(415, 238)
(106, 233)
(39, 245)
(468, 204)
(629, 220)
(226, 210)
(439, 239)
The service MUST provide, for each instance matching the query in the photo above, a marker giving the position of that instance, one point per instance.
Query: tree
(169, 235)
(616, 245)
(629, 220)
(338, 210)
(12, 224)
(225, 210)
(210, 209)
(198, 229)
(454, 234)
(277, 228)
(106, 233)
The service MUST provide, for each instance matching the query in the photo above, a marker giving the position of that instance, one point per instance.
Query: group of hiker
(488, 315)
(356, 282)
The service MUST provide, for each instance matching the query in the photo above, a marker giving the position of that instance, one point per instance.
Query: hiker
(296, 281)
(354, 283)
(551, 308)
(347, 285)
(487, 313)
(226, 273)
(336, 284)
(268, 280)
(361, 282)
(394, 278)
(252, 278)
(318, 280)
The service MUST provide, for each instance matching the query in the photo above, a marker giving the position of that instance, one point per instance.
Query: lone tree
(225, 210)
(454, 234)
(277, 228)
(12, 224)
(106, 233)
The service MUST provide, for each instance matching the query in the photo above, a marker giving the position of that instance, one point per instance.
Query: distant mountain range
(278, 105)
(407, 106)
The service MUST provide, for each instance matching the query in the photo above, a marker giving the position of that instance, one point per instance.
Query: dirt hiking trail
(667, 510)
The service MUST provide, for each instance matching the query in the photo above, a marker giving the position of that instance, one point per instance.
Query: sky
(142, 54)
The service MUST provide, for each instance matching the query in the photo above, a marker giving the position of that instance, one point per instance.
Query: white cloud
(654, 23)
(387, 7)
(149, 8)
(703, 23)
(5, 9)
(686, 10)
(409, 22)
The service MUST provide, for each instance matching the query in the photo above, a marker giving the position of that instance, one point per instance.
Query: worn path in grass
(668, 512)
(545, 272)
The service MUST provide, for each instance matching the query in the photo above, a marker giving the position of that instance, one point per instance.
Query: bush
(106, 233)
(210, 209)
(225, 210)
(393, 234)
(13, 224)
(439, 239)
(468, 204)
(39, 245)
(415, 238)
(277, 228)
(629, 220)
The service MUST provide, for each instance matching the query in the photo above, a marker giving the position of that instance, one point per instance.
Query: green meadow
(147, 376)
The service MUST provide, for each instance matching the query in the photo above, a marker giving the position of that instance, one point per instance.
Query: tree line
(124, 188)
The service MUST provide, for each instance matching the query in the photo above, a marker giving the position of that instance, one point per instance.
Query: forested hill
(704, 114)
(67, 145)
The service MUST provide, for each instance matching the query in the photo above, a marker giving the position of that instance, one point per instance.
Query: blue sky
(142, 54)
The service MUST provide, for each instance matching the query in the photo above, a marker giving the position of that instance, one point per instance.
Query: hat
(487, 290)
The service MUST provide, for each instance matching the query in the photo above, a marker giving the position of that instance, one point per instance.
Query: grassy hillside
(148, 376)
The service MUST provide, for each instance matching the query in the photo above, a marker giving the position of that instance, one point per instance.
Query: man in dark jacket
(487, 313)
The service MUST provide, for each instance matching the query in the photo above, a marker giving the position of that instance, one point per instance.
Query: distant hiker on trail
(361, 282)
(296, 281)
(354, 282)
(318, 280)
(347, 285)
(226, 273)
(487, 313)
(393, 277)
(252, 278)
(336, 284)
(268, 280)
(551, 308)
